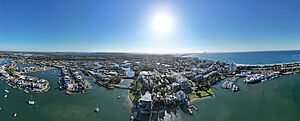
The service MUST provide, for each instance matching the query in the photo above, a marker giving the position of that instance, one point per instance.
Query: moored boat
(31, 102)
(97, 109)
(6, 90)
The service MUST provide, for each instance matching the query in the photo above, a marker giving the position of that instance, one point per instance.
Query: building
(175, 87)
(145, 103)
(232, 67)
(180, 96)
(145, 73)
(199, 78)
(184, 83)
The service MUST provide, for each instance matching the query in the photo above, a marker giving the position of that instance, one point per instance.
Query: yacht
(97, 109)
(31, 102)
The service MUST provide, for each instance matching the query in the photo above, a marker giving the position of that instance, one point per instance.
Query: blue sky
(126, 25)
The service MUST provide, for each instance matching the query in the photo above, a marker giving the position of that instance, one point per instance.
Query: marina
(62, 106)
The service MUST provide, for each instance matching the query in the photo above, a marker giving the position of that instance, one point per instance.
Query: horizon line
(21, 51)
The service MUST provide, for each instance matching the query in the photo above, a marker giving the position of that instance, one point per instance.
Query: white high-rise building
(232, 67)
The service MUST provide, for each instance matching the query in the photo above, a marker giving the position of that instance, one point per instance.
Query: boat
(15, 115)
(131, 118)
(97, 109)
(190, 111)
(192, 106)
(26, 90)
(31, 102)
(254, 78)
(68, 92)
(118, 97)
(5, 96)
(6, 90)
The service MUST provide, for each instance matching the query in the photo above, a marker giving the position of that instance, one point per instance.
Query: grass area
(133, 97)
(208, 93)
(201, 94)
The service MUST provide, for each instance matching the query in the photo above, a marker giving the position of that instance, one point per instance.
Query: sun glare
(162, 23)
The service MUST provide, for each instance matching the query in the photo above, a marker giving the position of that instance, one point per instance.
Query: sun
(162, 23)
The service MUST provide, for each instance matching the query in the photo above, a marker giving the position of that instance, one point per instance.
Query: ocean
(261, 57)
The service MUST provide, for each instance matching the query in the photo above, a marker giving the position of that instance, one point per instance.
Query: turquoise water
(25, 65)
(276, 100)
(267, 57)
(3, 61)
(55, 105)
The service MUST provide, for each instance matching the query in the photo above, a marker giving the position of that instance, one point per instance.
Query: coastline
(271, 64)
(202, 98)
(128, 99)
(266, 57)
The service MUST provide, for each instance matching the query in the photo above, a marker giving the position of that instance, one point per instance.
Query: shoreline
(241, 64)
(202, 98)
(272, 64)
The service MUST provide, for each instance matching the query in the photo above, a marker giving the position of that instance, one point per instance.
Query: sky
(151, 26)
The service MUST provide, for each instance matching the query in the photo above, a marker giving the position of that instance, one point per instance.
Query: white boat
(68, 92)
(6, 90)
(97, 109)
(190, 111)
(26, 91)
(31, 102)
(15, 114)
(118, 97)
(5, 96)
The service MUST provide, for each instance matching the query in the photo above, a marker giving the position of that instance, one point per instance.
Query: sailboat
(15, 115)
(31, 102)
(6, 90)
(97, 109)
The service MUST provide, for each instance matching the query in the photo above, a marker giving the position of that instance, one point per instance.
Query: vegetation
(200, 94)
